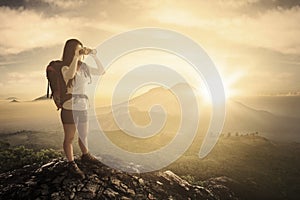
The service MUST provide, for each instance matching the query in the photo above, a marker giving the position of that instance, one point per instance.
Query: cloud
(23, 29)
(8, 63)
(43, 4)
(236, 3)
(66, 4)
(29, 84)
(24, 78)
(276, 29)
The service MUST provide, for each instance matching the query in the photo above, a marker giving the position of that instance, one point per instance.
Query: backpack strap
(48, 89)
(50, 69)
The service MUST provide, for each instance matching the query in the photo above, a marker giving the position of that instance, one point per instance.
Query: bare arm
(100, 69)
(70, 71)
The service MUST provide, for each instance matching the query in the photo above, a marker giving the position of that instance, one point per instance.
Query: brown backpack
(57, 84)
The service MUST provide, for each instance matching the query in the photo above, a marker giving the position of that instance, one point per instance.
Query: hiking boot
(74, 169)
(89, 158)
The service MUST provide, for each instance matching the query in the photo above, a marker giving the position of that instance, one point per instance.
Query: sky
(254, 44)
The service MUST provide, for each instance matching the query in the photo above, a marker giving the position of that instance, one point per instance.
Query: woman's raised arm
(100, 69)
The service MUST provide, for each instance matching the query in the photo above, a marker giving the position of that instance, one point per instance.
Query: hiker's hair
(69, 51)
(68, 55)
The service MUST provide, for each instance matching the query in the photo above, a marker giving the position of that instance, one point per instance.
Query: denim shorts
(73, 116)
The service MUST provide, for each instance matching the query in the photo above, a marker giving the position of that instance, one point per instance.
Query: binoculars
(87, 51)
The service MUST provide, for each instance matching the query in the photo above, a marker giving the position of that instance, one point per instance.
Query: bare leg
(69, 130)
(82, 136)
(83, 144)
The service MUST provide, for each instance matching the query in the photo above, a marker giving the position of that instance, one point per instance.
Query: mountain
(140, 105)
(52, 181)
(156, 95)
(239, 117)
(14, 101)
(165, 97)
(242, 118)
(288, 106)
(44, 97)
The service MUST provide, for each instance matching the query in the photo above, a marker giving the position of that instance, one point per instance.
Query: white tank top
(79, 87)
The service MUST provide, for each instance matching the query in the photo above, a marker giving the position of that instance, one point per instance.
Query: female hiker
(77, 76)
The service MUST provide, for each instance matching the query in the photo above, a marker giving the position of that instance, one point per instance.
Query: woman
(77, 75)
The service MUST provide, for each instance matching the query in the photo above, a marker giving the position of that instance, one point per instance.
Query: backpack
(57, 83)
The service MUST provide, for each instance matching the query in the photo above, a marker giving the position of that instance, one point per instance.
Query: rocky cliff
(53, 181)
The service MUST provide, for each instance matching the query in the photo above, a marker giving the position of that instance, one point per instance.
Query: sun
(230, 81)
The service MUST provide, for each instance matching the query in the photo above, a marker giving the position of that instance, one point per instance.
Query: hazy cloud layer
(256, 39)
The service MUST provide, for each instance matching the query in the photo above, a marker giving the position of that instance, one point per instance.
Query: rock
(30, 182)
(131, 192)
(124, 186)
(58, 180)
(125, 198)
(44, 192)
(150, 196)
(52, 181)
(90, 187)
(79, 186)
(110, 193)
(159, 183)
(220, 188)
(55, 195)
(115, 181)
(141, 181)
(72, 195)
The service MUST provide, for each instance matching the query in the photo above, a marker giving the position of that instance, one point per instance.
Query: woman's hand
(93, 53)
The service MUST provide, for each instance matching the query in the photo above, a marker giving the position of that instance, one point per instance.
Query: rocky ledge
(53, 181)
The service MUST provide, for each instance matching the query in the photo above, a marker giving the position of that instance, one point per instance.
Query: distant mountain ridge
(252, 109)
(242, 118)
(44, 97)
(239, 117)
